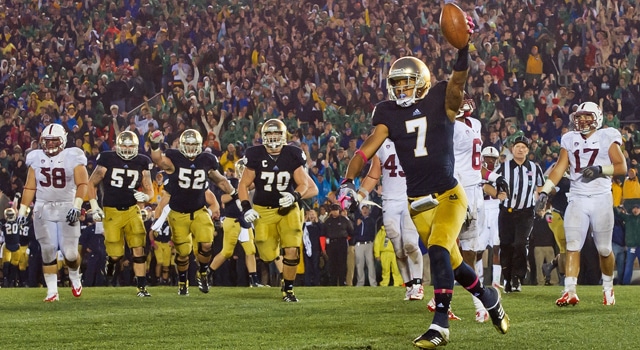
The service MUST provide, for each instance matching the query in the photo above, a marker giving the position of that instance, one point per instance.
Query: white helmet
(490, 152)
(56, 133)
(582, 122)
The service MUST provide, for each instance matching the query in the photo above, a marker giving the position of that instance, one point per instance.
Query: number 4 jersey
(587, 152)
(394, 185)
(122, 178)
(54, 175)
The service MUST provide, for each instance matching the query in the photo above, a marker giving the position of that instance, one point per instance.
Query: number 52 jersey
(54, 175)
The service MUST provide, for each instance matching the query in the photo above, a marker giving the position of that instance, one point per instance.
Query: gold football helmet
(53, 139)
(127, 145)
(144, 213)
(274, 135)
(190, 143)
(409, 80)
(241, 164)
(10, 215)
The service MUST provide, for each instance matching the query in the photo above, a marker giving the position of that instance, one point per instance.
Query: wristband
(23, 210)
(491, 176)
(94, 204)
(77, 203)
(246, 205)
(548, 186)
(607, 169)
(365, 193)
(154, 145)
(462, 63)
(297, 195)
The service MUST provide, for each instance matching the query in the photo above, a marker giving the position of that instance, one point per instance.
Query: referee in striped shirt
(515, 220)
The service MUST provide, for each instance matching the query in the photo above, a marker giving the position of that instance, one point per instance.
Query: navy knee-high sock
(442, 283)
(467, 278)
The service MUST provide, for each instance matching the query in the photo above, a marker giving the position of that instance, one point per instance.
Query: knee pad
(604, 249)
(50, 263)
(114, 260)
(292, 262)
(139, 259)
(204, 253)
(180, 262)
(49, 253)
(183, 249)
(72, 264)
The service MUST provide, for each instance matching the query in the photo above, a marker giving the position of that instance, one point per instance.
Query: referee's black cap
(522, 139)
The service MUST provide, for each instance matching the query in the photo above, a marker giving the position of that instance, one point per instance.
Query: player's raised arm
(157, 156)
(455, 85)
(222, 182)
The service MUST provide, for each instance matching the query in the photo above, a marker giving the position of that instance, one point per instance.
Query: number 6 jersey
(54, 175)
(584, 153)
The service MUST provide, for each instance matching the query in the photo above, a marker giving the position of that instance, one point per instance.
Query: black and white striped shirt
(523, 181)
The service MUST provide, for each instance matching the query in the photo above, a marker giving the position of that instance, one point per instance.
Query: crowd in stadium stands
(225, 67)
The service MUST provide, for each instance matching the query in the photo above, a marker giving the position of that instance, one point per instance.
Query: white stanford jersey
(394, 184)
(54, 175)
(467, 148)
(587, 152)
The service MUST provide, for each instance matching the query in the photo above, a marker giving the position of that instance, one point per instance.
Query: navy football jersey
(11, 232)
(232, 209)
(122, 179)
(190, 180)
(164, 235)
(423, 136)
(274, 174)
(25, 235)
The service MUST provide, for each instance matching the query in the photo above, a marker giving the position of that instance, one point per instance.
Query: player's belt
(121, 208)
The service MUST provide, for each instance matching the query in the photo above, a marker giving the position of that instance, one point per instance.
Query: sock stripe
(443, 291)
(475, 282)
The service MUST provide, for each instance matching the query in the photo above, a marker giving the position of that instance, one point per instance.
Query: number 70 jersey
(54, 175)
(584, 153)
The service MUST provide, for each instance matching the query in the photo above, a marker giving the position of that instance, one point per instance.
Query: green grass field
(325, 318)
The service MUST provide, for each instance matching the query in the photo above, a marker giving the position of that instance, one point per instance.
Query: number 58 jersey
(54, 175)
(588, 152)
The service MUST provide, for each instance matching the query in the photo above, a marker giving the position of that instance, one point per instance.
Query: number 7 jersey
(587, 152)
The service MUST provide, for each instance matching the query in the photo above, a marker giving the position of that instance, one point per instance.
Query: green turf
(325, 318)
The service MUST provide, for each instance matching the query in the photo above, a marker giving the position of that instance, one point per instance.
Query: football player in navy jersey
(419, 119)
(189, 171)
(11, 248)
(122, 172)
(277, 172)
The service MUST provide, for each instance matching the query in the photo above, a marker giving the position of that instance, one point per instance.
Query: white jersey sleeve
(55, 175)
(394, 184)
(589, 152)
(467, 149)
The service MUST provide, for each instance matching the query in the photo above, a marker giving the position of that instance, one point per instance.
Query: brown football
(453, 23)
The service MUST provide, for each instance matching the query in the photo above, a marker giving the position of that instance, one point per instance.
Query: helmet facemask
(53, 139)
(274, 135)
(10, 215)
(127, 145)
(409, 80)
(587, 118)
(190, 143)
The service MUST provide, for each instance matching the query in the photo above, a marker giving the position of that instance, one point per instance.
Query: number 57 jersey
(588, 152)
(122, 178)
(54, 175)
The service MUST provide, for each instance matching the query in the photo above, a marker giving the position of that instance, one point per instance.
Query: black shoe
(515, 285)
(289, 297)
(203, 283)
(183, 288)
(434, 337)
(498, 317)
(508, 288)
(143, 293)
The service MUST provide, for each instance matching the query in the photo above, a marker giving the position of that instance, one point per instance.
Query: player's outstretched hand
(73, 215)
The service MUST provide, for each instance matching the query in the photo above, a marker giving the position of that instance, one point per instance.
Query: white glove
(251, 215)
(425, 203)
(97, 214)
(286, 200)
(141, 197)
